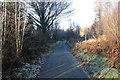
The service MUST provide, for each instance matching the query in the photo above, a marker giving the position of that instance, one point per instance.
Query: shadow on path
(61, 64)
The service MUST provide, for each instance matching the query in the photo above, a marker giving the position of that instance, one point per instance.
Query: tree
(48, 13)
(13, 33)
(108, 22)
(108, 26)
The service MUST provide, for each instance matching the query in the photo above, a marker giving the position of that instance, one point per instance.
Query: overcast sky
(84, 13)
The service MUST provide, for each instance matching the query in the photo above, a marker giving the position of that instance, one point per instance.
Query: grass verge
(95, 65)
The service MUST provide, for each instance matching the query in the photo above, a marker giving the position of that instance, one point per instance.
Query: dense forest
(30, 31)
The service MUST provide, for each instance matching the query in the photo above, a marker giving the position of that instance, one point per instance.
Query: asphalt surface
(61, 64)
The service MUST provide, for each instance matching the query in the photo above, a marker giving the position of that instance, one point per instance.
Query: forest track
(61, 64)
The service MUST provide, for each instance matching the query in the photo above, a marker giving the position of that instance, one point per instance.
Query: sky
(84, 14)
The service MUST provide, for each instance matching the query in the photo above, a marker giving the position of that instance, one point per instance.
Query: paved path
(61, 64)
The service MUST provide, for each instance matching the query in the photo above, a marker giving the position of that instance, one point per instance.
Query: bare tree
(48, 13)
(12, 33)
(20, 22)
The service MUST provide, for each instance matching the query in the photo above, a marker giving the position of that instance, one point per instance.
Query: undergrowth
(31, 65)
(99, 57)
